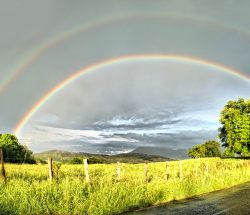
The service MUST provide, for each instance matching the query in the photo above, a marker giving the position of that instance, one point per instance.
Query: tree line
(13, 151)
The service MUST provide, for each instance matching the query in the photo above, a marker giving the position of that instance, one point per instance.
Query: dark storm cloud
(125, 134)
(127, 142)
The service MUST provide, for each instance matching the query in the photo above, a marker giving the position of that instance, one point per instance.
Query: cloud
(52, 134)
(117, 143)
(122, 133)
(152, 102)
(119, 121)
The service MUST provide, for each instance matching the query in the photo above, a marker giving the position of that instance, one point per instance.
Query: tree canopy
(13, 151)
(235, 131)
(210, 148)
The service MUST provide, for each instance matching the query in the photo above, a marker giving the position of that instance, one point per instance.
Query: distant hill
(175, 154)
(60, 155)
(65, 156)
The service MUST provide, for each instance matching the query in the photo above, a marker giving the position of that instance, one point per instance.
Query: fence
(180, 170)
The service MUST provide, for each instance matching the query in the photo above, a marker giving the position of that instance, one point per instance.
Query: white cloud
(118, 120)
(52, 134)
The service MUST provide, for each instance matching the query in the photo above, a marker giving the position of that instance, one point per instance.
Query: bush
(76, 161)
(93, 160)
(210, 148)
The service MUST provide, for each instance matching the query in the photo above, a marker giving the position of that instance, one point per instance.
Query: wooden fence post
(2, 165)
(50, 166)
(146, 172)
(86, 170)
(167, 173)
(118, 171)
(181, 174)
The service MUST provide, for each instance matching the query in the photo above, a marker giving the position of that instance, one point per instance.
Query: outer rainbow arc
(122, 59)
(57, 39)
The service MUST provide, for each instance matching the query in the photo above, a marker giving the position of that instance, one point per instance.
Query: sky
(117, 107)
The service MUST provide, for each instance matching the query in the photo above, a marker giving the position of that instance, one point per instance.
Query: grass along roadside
(28, 190)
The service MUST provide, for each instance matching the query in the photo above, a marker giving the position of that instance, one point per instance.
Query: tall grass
(28, 191)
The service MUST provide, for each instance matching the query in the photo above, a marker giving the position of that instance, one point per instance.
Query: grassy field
(28, 190)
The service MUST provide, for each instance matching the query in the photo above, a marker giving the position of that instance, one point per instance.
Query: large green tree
(235, 130)
(210, 148)
(13, 151)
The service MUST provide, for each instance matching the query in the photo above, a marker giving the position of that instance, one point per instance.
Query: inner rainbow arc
(123, 59)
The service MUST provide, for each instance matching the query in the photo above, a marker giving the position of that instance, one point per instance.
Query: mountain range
(139, 155)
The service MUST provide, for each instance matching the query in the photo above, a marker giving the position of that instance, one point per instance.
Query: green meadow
(28, 190)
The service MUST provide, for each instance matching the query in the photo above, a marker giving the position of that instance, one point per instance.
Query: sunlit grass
(28, 191)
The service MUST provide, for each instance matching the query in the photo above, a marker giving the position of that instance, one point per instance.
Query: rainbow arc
(123, 59)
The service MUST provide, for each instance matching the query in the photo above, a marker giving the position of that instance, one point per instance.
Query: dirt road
(232, 201)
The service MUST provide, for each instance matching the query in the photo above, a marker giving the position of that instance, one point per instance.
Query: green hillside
(65, 156)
